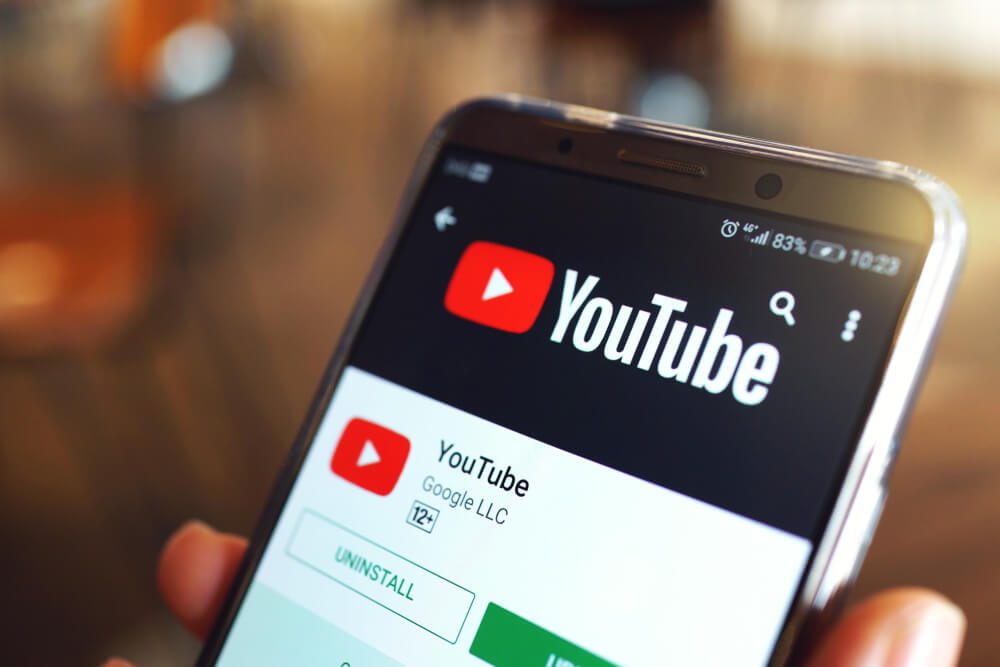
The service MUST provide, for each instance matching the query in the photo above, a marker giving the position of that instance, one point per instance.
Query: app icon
(499, 286)
(370, 456)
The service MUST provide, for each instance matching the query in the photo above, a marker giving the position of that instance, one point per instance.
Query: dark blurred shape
(673, 49)
(635, 4)
(10, 16)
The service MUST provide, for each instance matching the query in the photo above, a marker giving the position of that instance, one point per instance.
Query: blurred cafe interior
(191, 193)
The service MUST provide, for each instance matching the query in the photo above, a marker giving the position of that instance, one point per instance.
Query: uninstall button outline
(316, 568)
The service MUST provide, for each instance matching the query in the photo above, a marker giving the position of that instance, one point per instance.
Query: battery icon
(828, 252)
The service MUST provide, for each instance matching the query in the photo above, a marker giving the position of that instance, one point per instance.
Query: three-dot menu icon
(850, 326)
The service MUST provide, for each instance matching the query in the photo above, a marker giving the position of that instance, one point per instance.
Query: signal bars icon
(760, 239)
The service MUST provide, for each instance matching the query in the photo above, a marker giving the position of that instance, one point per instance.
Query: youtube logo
(499, 286)
(370, 456)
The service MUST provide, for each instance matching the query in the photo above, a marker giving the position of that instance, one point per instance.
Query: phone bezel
(855, 193)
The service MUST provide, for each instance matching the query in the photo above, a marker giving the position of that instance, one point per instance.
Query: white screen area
(601, 567)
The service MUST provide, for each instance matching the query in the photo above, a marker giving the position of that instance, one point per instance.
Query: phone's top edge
(611, 120)
(947, 218)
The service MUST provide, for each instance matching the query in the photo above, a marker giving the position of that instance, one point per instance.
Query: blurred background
(191, 193)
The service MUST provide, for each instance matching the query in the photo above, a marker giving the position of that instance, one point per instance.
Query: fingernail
(928, 635)
(117, 662)
(197, 524)
(190, 524)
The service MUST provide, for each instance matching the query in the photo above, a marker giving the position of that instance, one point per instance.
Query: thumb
(907, 627)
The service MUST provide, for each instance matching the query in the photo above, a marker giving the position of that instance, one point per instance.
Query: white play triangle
(368, 456)
(498, 285)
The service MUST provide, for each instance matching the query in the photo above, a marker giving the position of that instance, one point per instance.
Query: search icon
(782, 305)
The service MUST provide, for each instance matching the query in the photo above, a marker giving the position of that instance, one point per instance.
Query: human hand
(906, 627)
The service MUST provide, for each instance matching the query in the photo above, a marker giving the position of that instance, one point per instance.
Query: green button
(507, 640)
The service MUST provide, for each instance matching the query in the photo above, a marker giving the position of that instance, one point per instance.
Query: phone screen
(583, 422)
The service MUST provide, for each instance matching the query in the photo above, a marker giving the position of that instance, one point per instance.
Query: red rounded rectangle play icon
(499, 286)
(370, 456)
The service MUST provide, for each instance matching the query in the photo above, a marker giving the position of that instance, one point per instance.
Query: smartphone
(617, 393)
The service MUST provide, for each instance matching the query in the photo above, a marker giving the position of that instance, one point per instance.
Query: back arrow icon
(444, 218)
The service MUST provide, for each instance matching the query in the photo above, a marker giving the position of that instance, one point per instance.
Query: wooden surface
(275, 199)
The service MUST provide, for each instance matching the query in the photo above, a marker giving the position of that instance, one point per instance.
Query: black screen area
(778, 461)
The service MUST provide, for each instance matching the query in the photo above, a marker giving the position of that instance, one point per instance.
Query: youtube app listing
(430, 514)
(372, 457)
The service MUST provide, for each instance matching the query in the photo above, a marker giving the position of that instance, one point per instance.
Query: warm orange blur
(74, 266)
(139, 28)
